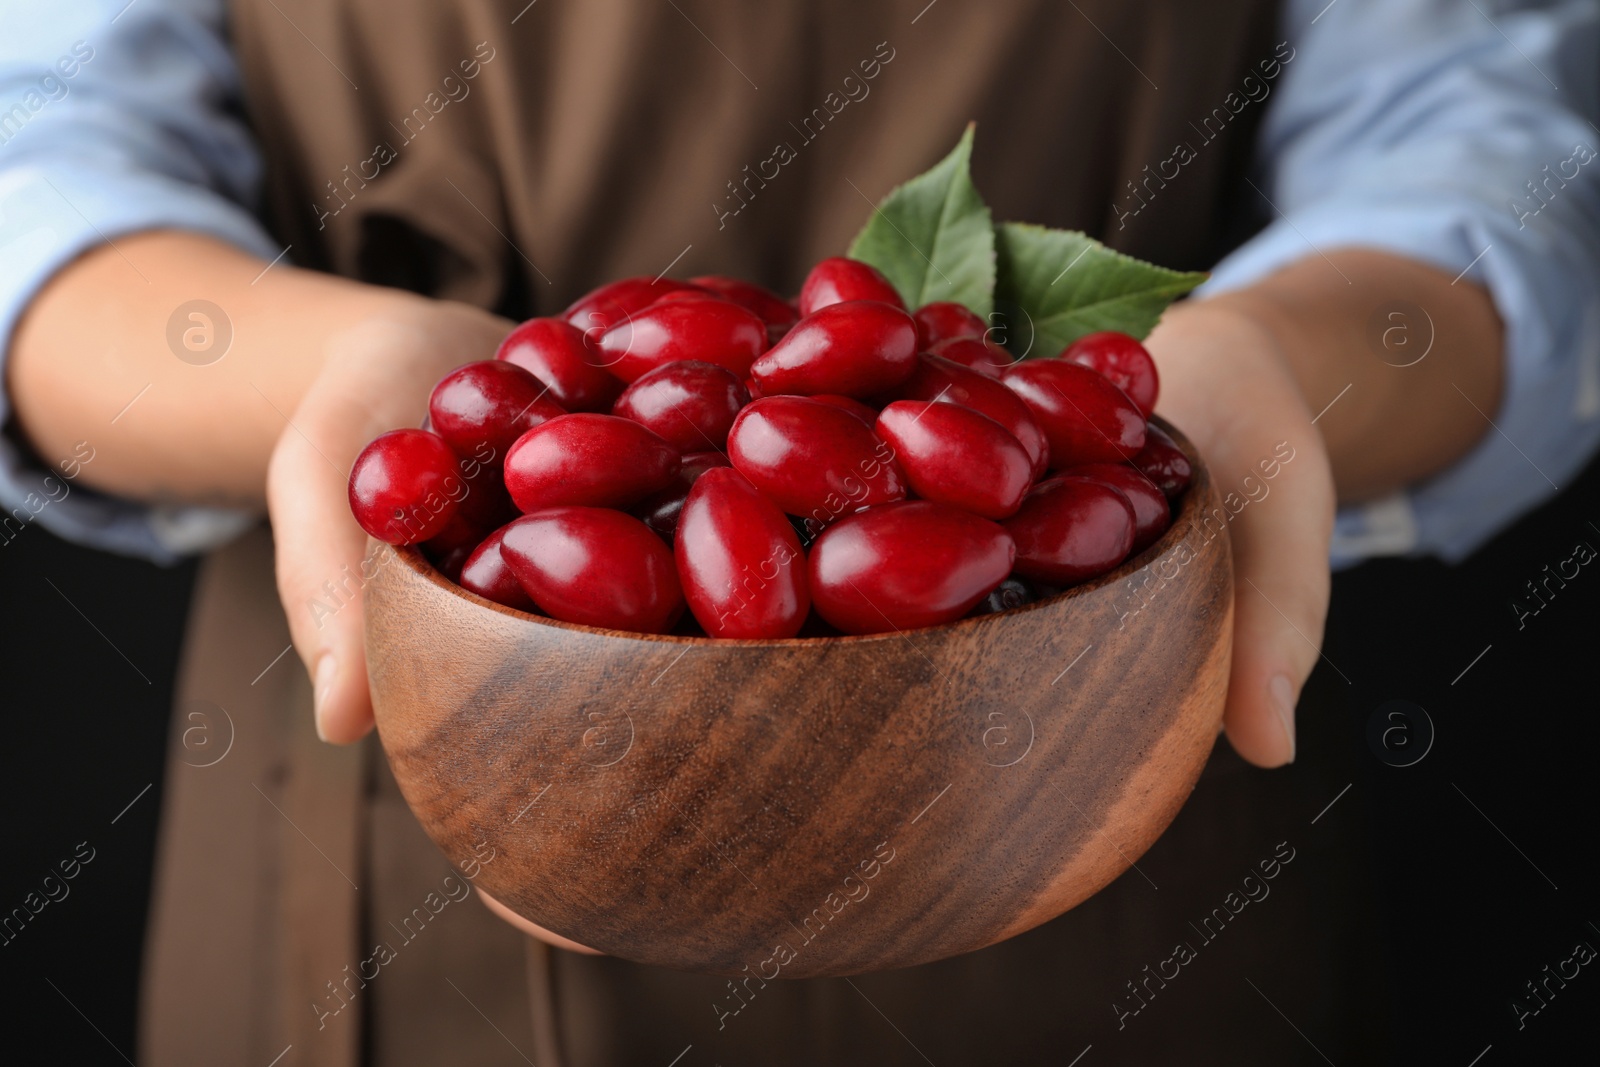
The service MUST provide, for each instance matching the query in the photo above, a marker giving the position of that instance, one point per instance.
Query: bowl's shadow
(811, 806)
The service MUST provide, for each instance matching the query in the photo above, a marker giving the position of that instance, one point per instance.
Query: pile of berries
(838, 464)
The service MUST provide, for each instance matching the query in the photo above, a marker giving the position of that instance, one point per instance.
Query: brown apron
(515, 154)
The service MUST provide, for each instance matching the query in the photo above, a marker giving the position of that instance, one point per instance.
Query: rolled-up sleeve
(1457, 133)
(114, 118)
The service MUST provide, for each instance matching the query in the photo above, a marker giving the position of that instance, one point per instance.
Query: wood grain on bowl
(816, 806)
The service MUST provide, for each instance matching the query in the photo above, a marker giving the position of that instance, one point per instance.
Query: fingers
(1225, 385)
(534, 929)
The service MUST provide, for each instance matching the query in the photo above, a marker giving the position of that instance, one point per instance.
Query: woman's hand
(1226, 385)
(376, 376)
(314, 367)
(1290, 360)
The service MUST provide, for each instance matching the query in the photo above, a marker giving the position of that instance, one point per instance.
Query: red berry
(1151, 512)
(937, 378)
(589, 460)
(1085, 417)
(595, 567)
(978, 353)
(955, 455)
(1123, 360)
(691, 293)
(493, 402)
(813, 459)
(554, 352)
(838, 279)
(1070, 530)
(901, 566)
(864, 412)
(713, 331)
(1163, 462)
(448, 549)
(404, 486)
(600, 309)
(690, 404)
(660, 511)
(739, 561)
(486, 505)
(485, 573)
(773, 309)
(944, 319)
(856, 348)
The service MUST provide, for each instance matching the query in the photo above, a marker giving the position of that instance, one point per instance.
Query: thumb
(1280, 596)
(376, 377)
(321, 567)
(322, 557)
(1228, 388)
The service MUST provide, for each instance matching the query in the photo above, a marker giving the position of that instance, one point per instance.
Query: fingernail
(1282, 691)
(322, 689)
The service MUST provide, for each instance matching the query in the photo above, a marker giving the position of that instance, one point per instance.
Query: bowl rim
(1199, 481)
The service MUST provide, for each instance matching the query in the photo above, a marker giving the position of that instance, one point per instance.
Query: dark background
(1470, 909)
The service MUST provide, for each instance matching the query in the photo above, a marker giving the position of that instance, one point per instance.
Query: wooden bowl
(814, 806)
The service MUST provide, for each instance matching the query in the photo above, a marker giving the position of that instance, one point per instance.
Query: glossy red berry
(601, 309)
(589, 460)
(690, 405)
(773, 309)
(739, 561)
(493, 402)
(978, 353)
(865, 412)
(595, 567)
(937, 378)
(1151, 512)
(660, 511)
(1123, 360)
(945, 319)
(680, 295)
(1070, 530)
(486, 573)
(856, 348)
(1085, 418)
(955, 455)
(812, 459)
(1163, 462)
(713, 331)
(901, 566)
(554, 352)
(404, 486)
(839, 279)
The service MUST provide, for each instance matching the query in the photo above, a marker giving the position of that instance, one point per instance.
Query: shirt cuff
(49, 216)
(1546, 288)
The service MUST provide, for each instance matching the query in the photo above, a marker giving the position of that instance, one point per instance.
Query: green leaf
(933, 237)
(1057, 285)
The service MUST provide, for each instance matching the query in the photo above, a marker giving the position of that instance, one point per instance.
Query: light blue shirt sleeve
(114, 118)
(1457, 133)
